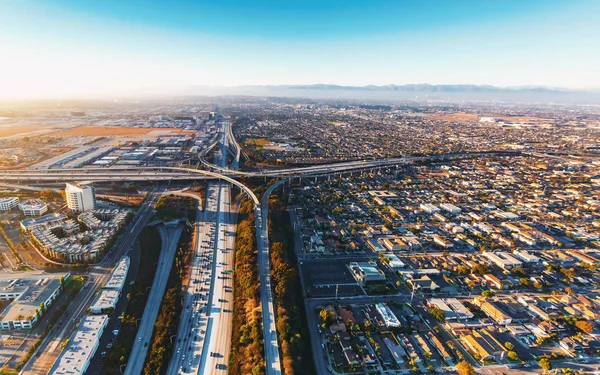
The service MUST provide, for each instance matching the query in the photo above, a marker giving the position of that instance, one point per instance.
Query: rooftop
(82, 346)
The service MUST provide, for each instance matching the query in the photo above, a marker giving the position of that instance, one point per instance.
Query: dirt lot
(257, 141)
(455, 116)
(524, 119)
(105, 131)
(7, 131)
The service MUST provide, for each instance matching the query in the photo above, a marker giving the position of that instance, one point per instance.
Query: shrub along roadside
(169, 314)
(246, 342)
(291, 323)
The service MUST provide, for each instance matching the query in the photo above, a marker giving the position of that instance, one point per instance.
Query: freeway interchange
(202, 342)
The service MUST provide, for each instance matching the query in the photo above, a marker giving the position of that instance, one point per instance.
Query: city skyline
(68, 48)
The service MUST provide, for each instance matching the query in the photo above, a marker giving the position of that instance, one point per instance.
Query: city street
(47, 352)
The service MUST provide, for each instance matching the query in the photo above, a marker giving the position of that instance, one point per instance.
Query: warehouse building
(82, 346)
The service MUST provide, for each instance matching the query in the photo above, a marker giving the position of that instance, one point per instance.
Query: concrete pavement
(169, 235)
(47, 353)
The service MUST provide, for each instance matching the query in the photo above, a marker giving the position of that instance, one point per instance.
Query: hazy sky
(73, 47)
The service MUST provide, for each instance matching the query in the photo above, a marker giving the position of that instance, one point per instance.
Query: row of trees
(246, 342)
(167, 321)
(289, 304)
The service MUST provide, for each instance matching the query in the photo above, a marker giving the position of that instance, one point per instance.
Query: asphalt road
(48, 351)
(169, 239)
(97, 361)
(204, 334)
(272, 358)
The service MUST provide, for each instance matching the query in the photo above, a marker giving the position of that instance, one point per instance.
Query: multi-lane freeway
(206, 317)
(49, 348)
(204, 334)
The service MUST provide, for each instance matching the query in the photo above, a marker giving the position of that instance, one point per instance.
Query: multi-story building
(7, 204)
(33, 207)
(80, 197)
(30, 298)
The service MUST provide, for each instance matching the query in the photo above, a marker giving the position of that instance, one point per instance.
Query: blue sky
(76, 47)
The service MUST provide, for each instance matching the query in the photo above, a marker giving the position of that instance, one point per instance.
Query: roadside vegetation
(291, 322)
(167, 321)
(171, 207)
(118, 355)
(247, 355)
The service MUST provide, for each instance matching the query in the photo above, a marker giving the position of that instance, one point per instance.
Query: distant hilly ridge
(407, 92)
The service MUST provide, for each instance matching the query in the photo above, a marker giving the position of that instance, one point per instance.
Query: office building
(33, 207)
(7, 204)
(80, 197)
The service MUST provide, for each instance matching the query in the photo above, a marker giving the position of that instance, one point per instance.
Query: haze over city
(318, 187)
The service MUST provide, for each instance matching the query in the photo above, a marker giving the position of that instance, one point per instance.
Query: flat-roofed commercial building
(7, 204)
(80, 197)
(76, 357)
(452, 308)
(47, 221)
(450, 208)
(387, 315)
(394, 261)
(366, 272)
(27, 294)
(429, 208)
(503, 260)
(106, 301)
(33, 207)
(493, 311)
(116, 280)
(526, 256)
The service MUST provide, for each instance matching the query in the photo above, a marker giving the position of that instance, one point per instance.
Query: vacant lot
(455, 116)
(257, 141)
(14, 129)
(106, 131)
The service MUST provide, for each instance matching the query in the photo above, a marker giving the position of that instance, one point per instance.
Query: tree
(487, 293)
(480, 269)
(545, 364)
(462, 270)
(465, 368)
(437, 313)
(585, 326)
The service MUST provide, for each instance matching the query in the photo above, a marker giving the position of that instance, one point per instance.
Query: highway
(49, 348)
(273, 362)
(204, 335)
(169, 235)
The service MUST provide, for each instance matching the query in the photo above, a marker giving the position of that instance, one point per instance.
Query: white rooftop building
(116, 280)
(80, 197)
(76, 357)
(387, 315)
(105, 301)
(33, 207)
(8, 203)
(503, 260)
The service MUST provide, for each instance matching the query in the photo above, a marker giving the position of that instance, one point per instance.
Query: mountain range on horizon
(458, 92)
